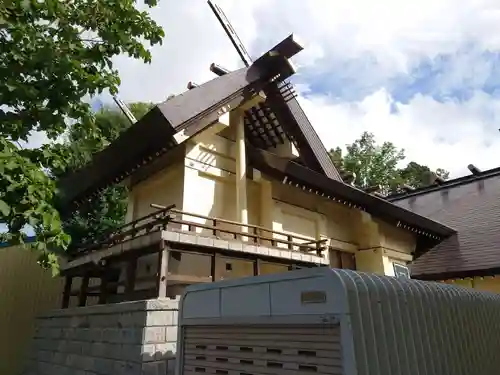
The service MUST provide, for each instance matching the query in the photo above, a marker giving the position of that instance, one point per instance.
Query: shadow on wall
(133, 338)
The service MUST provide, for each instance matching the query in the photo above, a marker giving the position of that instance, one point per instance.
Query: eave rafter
(303, 178)
(176, 120)
(287, 180)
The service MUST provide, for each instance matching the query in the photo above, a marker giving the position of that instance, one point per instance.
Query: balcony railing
(169, 218)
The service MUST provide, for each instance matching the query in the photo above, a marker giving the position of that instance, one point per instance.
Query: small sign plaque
(313, 296)
(401, 271)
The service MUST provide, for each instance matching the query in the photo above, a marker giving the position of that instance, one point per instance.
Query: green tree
(377, 165)
(53, 55)
(107, 211)
(372, 164)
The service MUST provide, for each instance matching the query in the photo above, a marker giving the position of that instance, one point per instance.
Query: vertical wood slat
(162, 270)
(214, 224)
(82, 297)
(130, 278)
(256, 232)
(256, 267)
(213, 265)
(348, 260)
(103, 289)
(338, 254)
(67, 292)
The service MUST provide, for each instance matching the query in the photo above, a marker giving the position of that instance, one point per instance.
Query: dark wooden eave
(300, 176)
(282, 114)
(281, 98)
(157, 133)
(301, 132)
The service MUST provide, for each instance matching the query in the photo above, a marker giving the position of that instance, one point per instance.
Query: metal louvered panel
(403, 326)
(385, 325)
(262, 350)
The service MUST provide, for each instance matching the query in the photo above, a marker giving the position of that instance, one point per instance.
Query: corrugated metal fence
(26, 290)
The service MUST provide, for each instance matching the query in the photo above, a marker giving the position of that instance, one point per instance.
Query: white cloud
(393, 35)
(194, 40)
(446, 135)
(395, 32)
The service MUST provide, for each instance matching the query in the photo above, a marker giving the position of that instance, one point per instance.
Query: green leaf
(377, 165)
(81, 42)
(4, 208)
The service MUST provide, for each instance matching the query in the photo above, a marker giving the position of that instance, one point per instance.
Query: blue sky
(424, 78)
(424, 75)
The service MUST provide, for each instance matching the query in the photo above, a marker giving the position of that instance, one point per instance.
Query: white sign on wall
(401, 271)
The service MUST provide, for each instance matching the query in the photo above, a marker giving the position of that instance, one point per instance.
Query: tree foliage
(107, 211)
(53, 56)
(379, 165)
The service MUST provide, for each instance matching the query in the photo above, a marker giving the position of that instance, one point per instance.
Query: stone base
(132, 338)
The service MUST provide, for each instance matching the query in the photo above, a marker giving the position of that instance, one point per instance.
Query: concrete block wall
(130, 338)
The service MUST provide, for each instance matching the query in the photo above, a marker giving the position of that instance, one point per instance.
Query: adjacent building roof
(469, 204)
(268, 123)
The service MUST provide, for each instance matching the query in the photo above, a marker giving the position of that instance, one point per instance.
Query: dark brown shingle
(473, 209)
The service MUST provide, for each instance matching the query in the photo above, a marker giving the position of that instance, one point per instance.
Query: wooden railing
(251, 233)
(171, 218)
(155, 221)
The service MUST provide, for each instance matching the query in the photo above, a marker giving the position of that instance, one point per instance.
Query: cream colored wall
(209, 183)
(164, 188)
(308, 215)
(377, 245)
(488, 284)
(205, 185)
(26, 290)
(396, 239)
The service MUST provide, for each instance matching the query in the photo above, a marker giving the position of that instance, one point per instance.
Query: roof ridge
(446, 184)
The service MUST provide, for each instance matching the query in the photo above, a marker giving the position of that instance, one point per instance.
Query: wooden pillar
(162, 272)
(103, 290)
(82, 297)
(130, 279)
(213, 265)
(256, 267)
(67, 292)
(237, 121)
(266, 204)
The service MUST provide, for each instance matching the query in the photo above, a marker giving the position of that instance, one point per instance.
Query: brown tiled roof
(470, 205)
(268, 124)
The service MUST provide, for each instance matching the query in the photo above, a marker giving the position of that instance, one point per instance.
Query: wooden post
(236, 119)
(82, 297)
(67, 292)
(162, 272)
(213, 264)
(103, 290)
(130, 279)
(256, 267)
